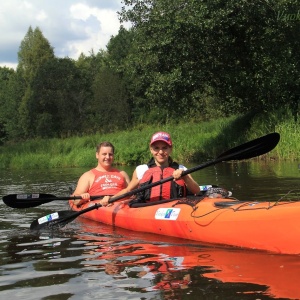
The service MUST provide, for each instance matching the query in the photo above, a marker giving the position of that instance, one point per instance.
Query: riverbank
(193, 142)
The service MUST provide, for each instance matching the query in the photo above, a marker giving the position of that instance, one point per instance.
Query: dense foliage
(182, 59)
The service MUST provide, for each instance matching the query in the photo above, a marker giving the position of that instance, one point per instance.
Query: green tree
(89, 67)
(164, 62)
(238, 55)
(110, 105)
(59, 97)
(6, 76)
(12, 90)
(118, 49)
(34, 52)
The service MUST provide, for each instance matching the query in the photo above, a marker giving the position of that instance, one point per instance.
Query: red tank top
(107, 183)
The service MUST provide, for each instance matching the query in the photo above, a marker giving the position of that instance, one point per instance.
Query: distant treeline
(192, 60)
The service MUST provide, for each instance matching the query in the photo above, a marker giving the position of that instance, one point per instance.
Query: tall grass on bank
(193, 142)
(283, 122)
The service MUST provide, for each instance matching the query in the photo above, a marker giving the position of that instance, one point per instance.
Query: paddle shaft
(33, 200)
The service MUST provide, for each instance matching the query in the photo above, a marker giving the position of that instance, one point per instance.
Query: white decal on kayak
(48, 218)
(167, 213)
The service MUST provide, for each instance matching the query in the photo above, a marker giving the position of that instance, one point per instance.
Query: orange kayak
(270, 226)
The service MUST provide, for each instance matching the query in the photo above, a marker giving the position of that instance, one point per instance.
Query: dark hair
(105, 144)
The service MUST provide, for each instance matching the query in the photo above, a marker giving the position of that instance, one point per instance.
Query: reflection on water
(87, 260)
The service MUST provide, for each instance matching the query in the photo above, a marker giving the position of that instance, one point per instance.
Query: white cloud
(41, 16)
(71, 27)
(80, 11)
(96, 25)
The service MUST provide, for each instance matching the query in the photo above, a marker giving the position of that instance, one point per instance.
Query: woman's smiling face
(161, 152)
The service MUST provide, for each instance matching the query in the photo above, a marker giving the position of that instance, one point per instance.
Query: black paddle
(248, 150)
(33, 200)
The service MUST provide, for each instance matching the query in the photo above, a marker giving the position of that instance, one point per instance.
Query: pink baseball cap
(161, 136)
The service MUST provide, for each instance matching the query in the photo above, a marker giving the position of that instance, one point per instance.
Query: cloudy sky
(71, 26)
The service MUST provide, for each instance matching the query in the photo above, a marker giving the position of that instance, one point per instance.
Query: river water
(88, 260)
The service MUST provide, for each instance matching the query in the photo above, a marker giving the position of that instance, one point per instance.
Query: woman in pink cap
(160, 166)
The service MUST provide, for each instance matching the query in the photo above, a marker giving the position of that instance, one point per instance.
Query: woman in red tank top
(102, 180)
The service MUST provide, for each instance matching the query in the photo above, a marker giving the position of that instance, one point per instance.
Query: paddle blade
(253, 148)
(60, 218)
(27, 200)
(56, 219)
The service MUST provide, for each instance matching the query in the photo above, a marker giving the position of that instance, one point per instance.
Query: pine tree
(34, 52)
